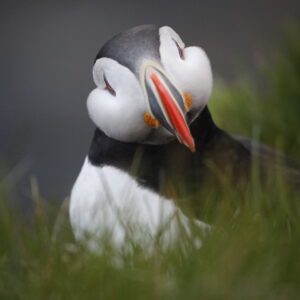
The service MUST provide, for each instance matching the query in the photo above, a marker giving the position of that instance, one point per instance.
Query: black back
(155, 165)
(218, 156)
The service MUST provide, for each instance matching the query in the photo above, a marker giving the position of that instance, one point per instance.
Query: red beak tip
(191, 146)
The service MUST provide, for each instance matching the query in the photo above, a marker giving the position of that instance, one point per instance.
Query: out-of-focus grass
(252, 252)
(269, 107)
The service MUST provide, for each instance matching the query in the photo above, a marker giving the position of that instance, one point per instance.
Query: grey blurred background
(46, 53)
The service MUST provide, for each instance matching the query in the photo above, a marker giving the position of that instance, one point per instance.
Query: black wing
(270, 157)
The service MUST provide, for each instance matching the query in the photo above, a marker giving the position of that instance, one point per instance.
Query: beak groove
(168, 105)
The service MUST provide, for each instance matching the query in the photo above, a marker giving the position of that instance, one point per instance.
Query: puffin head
(150, 87)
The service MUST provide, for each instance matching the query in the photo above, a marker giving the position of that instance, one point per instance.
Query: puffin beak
(167, 105)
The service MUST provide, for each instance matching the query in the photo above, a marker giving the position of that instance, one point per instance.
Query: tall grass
(251, 253)
(270, 105)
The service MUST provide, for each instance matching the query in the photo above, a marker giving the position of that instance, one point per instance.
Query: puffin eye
(108, 86)
(180, 50)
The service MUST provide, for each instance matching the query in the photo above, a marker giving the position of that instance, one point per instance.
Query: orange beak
(167, 105)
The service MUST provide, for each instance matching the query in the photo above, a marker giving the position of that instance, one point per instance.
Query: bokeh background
(47, 50)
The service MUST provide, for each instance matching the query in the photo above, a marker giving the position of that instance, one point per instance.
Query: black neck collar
(106, 150)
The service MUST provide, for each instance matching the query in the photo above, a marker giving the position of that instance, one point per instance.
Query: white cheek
(119, 118)
(196, 75)
(191, 74)
(101, 108)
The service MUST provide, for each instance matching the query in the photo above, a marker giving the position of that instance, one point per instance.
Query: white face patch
(118, 104)
(191, 73)
(119, 115)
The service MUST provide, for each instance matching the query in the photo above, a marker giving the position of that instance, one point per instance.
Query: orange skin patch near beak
(152, 122)
(187, 101)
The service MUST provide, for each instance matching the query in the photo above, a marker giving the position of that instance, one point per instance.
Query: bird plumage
(125, 184)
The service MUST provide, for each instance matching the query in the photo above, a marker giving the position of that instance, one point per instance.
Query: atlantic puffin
(153, 127)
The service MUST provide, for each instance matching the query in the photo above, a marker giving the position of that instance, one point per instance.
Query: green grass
(268, 107)
(253, 252)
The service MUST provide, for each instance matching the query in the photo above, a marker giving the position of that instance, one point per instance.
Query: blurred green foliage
(251, 253)
(268, 108)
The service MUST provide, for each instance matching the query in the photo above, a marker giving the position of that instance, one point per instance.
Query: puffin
(154, 133)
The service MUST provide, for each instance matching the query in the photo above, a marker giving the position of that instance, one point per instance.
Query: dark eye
(180, 50)
(108, 86)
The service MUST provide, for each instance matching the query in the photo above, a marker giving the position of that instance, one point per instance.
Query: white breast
(108, 203)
